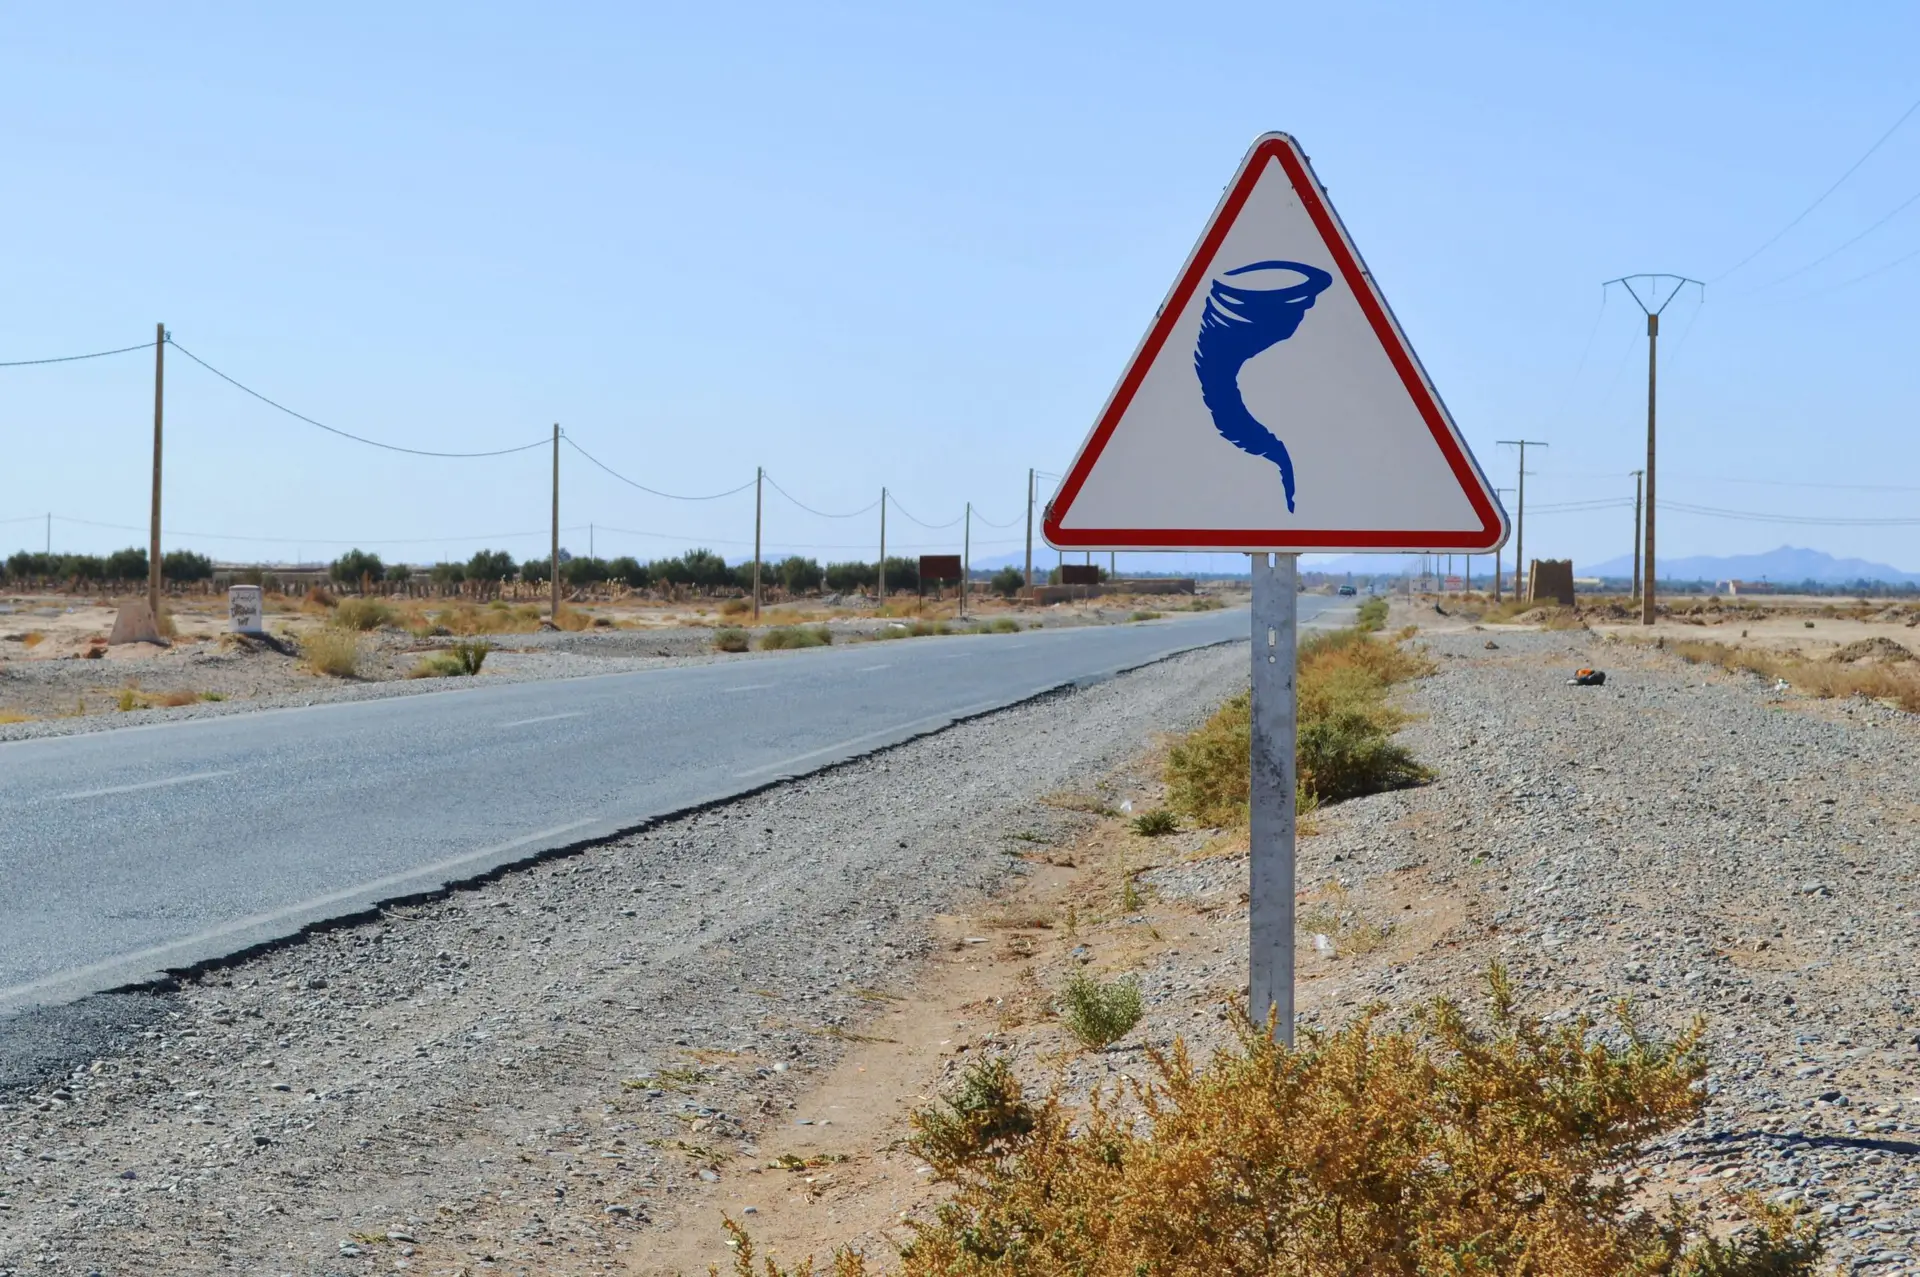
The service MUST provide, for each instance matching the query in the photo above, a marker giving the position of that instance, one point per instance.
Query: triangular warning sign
(1275, 403)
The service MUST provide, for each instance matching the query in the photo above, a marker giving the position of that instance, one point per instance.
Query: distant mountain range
(1788, 565)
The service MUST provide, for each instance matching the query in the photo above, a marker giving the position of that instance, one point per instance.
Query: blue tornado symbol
(1243, 319)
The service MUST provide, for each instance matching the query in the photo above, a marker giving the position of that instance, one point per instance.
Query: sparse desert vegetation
(1345, 730)
(792, 636)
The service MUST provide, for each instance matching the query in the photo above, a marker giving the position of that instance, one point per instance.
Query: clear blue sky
(889, 244)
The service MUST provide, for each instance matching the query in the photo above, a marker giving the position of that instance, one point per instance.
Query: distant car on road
(1347, 589)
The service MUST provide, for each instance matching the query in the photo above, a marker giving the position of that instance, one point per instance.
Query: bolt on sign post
(1334, 441)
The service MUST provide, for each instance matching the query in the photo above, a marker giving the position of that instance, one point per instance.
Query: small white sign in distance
(1275, 405)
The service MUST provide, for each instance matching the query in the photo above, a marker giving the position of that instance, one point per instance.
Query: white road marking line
(868, 669)
(378, 885)
(545, 718)
(145, 784)
(748, 687)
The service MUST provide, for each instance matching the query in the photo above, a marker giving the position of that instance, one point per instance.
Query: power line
(671, 496)
(853, 514)
(792, 545)
(1010, 523)
(1769, 483)
(1761, 516)
(222, 536)
(374, 443)
(1857, 279)
(931, 527)
(1833, 252)
(67, 359)
(1838, 182)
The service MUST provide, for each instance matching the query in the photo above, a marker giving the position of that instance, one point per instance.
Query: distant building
(1737, 588)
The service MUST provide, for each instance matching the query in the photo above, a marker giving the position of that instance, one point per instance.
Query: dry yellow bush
(1826, 680)
(332, 651)
(1439, 1151)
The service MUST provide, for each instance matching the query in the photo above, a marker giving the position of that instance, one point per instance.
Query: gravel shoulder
(1681, 838)
(505, 1078)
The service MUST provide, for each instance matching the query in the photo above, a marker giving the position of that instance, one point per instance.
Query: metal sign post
(1276, 605)
(1274, 326)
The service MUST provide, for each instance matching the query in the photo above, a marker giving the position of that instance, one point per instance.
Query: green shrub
(797, 574)
(351, 566)
(1099, 1012)
(1346, 754)
(1343, 747)
(1146, 616)
(1373, 615)
(1155, 823)
(789, 636)
(1206, 770)
(363, 614)
(490, 565)
(1004, 625)
(126, 565)
(462, 660)
(983, 1116)
(1205, 604)
(730, 640)
(1007, 582)
(629, 571)
(911, 629)
(848, 577)
(584, 571)
(185, 565)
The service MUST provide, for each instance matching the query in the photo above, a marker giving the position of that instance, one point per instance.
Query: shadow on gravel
(1790, 1139)
(44, 1043)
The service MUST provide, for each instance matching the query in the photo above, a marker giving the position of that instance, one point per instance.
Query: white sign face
(1275, 405)
(244, 607)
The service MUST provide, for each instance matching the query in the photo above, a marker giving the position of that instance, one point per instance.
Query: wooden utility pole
(966, 558)
(153, 531)
(1520, 532)
(1496, 561)
(759, 473)
(1638, 475)
(883, 547)
(1648, 584)
(1029, 529)
(553, 550)
(1649, 587)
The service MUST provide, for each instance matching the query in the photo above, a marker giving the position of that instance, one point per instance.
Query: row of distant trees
(700, 569)
(122, 565)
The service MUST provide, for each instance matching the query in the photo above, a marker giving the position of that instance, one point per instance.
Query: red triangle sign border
(1489, 536)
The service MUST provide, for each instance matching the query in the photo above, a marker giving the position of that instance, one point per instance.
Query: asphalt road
(127, 853)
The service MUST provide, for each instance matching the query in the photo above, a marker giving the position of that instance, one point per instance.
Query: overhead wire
(67, 359)
(853, 514)
(226, 536)
(1861, 278)
(334, 430)
(1837, 184)
(1762, 516)
(1836, 251)
(931, 527)
(671, 496)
